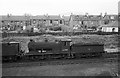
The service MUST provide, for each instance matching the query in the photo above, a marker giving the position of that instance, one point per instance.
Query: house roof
(79, 17)
(83, 17)
(95, 17)
(66, 18)
(15, 18)
(110, 17)
(46, 17)
(113, 24)
(38, 17)
(54, 17)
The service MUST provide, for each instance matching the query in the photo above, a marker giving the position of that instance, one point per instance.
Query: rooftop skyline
(56, 7)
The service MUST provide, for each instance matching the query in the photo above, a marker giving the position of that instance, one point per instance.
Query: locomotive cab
(66, 45)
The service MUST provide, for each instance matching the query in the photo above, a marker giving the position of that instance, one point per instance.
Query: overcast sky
(56, 7)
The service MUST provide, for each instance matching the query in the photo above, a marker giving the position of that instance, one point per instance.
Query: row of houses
(94, 22)
(72, 22)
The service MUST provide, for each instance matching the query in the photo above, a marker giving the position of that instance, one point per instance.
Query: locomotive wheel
(5, 59)
(35, 58)
(99, 55)
(59, 56)
(88, 55)
(31, 58)
(56, 56)
(48, 56)
(14, 58)
(63, 56)
(8, 58)
(41, 57)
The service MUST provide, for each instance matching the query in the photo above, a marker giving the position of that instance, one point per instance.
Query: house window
(18, 23)
(65, 43)
(56, 22)
(113, 29)
(44, 20)
(91, 22)
(2, 21)
(80, 22)
(112, 17)
(50, 21)
(60, 21)
(21, 22)
(106, 22)
(34, 21)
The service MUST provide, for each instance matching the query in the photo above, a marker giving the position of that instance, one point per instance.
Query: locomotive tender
(47, 50)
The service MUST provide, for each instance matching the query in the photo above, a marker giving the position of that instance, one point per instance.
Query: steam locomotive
(51, 50)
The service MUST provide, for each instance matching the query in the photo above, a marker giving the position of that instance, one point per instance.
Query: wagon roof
(14, 42)
(10, 42)
(94, 43)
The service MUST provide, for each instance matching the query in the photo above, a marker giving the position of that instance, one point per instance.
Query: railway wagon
(87, 49)
(42, 50)
(10, 50)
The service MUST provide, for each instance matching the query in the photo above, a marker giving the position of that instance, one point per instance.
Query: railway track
(110, 58)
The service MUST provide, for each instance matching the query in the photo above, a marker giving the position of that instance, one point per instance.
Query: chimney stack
(86, 14)
(105, 13)
(100, 14)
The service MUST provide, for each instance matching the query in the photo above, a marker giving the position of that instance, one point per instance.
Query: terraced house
(72, 22)
(83, 22)
(109, 18)
(14, 22)
(45, 20)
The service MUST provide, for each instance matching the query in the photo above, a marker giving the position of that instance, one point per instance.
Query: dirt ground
(64, 70)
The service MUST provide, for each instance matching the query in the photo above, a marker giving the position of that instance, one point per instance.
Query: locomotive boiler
(57, 49)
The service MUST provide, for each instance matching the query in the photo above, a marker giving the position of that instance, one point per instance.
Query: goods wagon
(10, 50)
